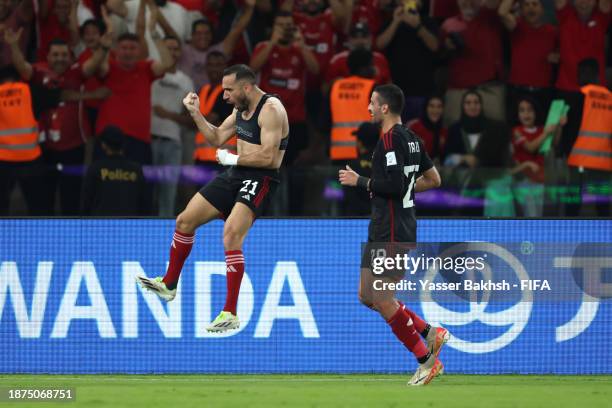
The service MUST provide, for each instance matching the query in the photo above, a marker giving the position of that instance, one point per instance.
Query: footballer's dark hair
(392, 96)
(243, 73)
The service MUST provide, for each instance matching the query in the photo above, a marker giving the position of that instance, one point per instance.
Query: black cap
(360, 29)
(368, 133)
(112, 137)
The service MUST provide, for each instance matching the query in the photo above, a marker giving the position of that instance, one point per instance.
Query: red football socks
(419, 324)
(403, 328)
(235, 269)
(179, 251)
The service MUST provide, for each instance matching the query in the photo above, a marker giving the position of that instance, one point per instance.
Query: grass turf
(448, 391)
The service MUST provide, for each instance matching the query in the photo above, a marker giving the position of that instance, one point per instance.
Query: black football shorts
(248, 185)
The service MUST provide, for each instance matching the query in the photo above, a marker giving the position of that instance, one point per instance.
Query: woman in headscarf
(483, 146)
(430, 128)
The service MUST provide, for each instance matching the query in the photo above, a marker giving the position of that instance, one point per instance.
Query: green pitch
(449, 391)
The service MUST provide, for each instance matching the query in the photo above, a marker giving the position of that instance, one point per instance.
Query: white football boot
(224, 322)
(157, 286)
(436, 338)
(427, 372)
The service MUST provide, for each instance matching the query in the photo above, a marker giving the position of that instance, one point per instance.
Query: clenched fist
(192, 103)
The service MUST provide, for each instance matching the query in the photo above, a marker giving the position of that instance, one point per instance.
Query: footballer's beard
(377, 119)
(242, 104)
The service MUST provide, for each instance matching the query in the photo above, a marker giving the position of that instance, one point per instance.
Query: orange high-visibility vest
(593, 147)
(18, 129)
(349, 100)
(205, 151)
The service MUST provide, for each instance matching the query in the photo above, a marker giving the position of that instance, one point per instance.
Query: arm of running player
(392, 184)
(430, 179)
(215, 135)
(271, 122)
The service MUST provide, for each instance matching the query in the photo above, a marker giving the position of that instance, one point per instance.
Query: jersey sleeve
(426, 162)
(395, 156)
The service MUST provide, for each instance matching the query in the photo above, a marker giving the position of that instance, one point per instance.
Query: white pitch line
(95, 378)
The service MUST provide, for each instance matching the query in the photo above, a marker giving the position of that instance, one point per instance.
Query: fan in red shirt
(430, 128)
(582, 30)
(360, 36)
(91, 32)
(62, 126)
(364, 11)
(473, 41)
(527, 138)
(57, 19)
(534, 51)
(317, 23)
(129, 106)
(282, 63)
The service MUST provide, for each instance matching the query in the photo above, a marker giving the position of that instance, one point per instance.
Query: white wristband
(226, 158)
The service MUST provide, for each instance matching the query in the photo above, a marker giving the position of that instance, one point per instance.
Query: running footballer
(400, 167)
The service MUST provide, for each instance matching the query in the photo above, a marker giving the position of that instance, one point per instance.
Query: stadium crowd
(92, 121)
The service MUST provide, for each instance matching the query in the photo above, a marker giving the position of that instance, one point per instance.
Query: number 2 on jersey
(410, 172)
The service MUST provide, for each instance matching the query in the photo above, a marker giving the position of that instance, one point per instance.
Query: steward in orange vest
(593, 147)
(18, 128)
(349, 100)
(20, 154)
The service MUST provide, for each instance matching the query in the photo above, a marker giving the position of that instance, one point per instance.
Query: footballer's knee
(185, 224)
(232, 237)
(365, 300)
(386, 307)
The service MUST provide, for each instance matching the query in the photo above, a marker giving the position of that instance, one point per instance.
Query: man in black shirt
(400, 166)
(115, 185)
(357, 201)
